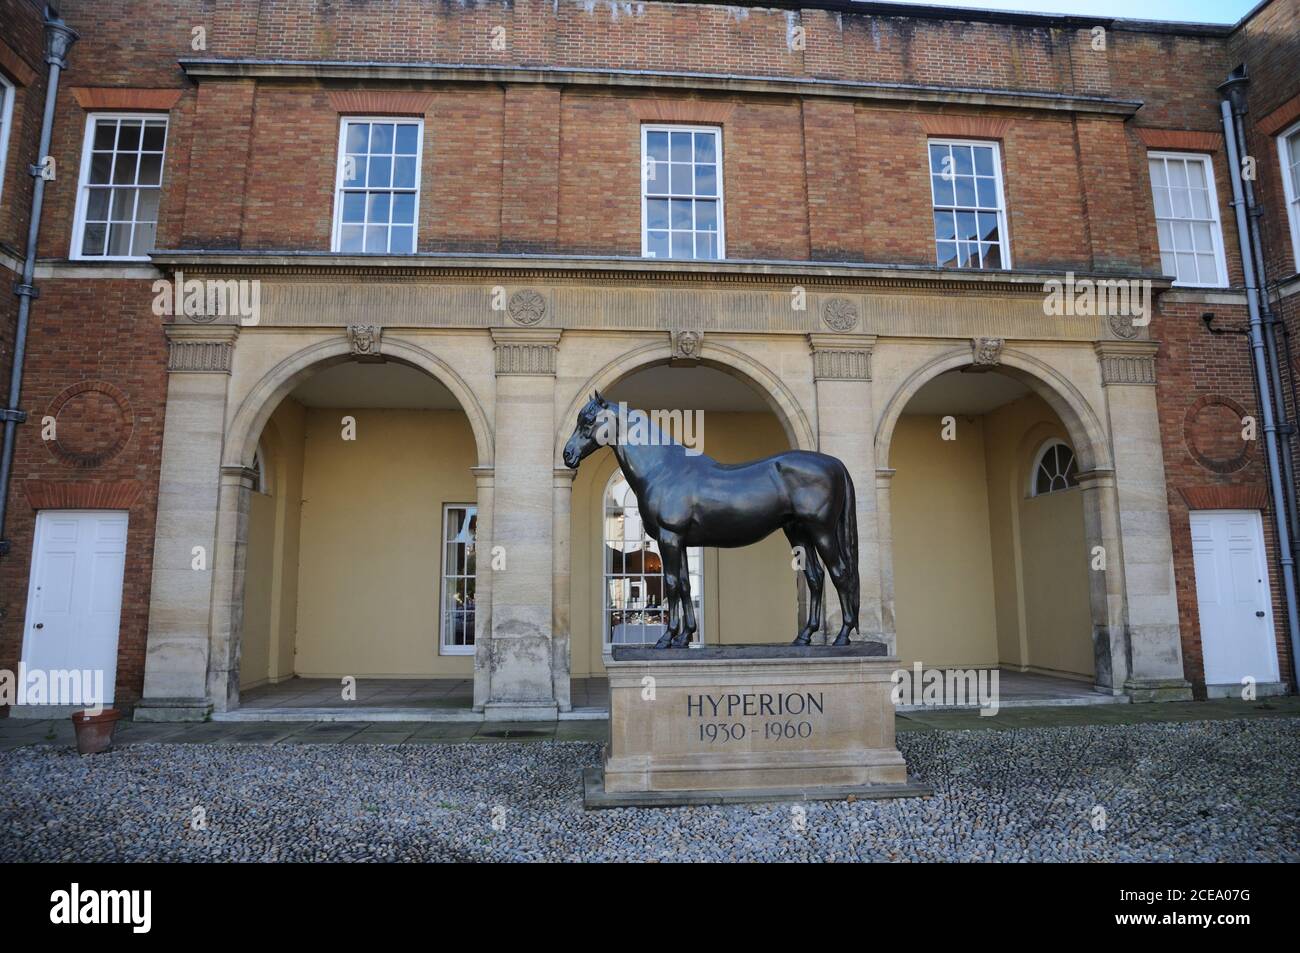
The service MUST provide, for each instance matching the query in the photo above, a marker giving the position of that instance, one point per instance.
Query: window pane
(705, 148)
(407, 137)
(123, 209)
(101, 165)
(706, 180)
(404, 207)
(988, 226)
(144, 238)
(404, 172)
(377, 207)
(945, 226)
(656, 211)
(119, 239)
(681, 147)
(150, 169)
(992, 254)
(381, 172)
(93, 242)
(682, 246)
(987, 192)
(105, 134)
(962, 163)
(354, 207)
(146, 206)
(965, 190)
(681, 179)
(657, 145)
(946, 254)
(97, 205)
(128, 136)
(983, 160)
(706, 215)
(657, 244)
(656, 182)
(681, 213)
(124, 168)
(350, 238)
(943, 190)
(354, 170)
(966, 226)
(358, 137)
(155, 136)
(706, 245)
(403, 239)
(381, 138)
(376, 238)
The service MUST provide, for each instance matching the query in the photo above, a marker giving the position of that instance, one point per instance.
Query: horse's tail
(847, 531)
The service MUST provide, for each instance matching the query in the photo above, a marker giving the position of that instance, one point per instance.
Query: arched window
(1054, 469)
(634, 608)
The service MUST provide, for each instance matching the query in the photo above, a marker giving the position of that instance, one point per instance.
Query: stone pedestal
(749, 723)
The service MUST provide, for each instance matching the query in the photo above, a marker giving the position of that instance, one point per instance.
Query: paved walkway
(16, 733)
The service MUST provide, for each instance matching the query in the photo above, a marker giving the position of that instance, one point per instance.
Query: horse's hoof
(664, 642)
(802, 640)
(842, 640)
(682, 642)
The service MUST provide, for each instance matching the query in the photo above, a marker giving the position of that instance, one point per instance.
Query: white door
(1233, 596)
(74, 600)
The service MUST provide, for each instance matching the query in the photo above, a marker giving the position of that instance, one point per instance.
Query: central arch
(798, 429)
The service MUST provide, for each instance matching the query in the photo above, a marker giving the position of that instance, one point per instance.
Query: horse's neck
(641, 462)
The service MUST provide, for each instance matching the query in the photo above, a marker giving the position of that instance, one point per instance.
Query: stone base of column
(521, 711)
(1158, 690)
(172, 709)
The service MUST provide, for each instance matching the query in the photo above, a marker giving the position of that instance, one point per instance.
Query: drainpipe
(1259, 358)
(59, 38)
(1234, 89)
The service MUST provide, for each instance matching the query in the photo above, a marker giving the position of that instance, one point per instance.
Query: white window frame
(83, 185)
(697, 589)
(6, 123)
(646, 129)
(444, 647)
(1216, 231)
(337, 217)
(1289, 189)
(1004, 229)
(1049, 444)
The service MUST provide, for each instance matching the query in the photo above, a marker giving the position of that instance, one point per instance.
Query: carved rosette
(840, 314)
(987, 352)
(1122, 326)
(526, 307)
(364, 340)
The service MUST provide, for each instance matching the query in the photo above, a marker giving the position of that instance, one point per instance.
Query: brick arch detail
(81, 495)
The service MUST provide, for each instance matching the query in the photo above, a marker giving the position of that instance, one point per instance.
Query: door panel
(1233, 597)
(74, 603)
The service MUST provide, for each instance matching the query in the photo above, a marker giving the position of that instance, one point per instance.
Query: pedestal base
(745, 723)
(595, 797)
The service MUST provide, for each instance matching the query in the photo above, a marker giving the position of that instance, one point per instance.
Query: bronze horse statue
(689, 499)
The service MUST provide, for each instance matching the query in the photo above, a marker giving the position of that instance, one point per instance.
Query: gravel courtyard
(1204, 790)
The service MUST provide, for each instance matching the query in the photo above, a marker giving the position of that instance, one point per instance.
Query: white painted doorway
(1232, 594)
(74, 597)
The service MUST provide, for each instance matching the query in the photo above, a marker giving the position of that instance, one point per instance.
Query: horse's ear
(600, 400)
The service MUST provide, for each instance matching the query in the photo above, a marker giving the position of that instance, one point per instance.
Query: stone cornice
(604, 269)
(200, 349)
(222, 68)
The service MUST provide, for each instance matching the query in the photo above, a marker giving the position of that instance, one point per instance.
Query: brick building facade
(531, 283)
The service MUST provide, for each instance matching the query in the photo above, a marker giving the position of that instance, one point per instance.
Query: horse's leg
(812, 572)
(670, 551)
(837, 564)
(689, 627)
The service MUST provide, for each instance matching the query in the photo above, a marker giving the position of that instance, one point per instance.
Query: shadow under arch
(1091, 447)
(776, 395)
(265, 396)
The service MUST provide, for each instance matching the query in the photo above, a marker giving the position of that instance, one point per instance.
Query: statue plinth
(749, 723)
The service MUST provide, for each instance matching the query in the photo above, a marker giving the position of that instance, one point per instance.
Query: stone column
(484, 480)
(519, 664)
(1106, 585)
(185, 535)
(561, 585)
(1155, 661)
(885, 529)
(846, 428)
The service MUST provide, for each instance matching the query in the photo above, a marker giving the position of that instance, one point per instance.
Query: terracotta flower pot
(95, 732)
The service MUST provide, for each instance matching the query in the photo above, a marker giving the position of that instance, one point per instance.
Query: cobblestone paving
(1193, 790)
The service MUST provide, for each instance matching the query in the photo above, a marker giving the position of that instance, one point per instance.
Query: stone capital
(525, 351)
(200, 349)
(845, 357)
(1127, 362)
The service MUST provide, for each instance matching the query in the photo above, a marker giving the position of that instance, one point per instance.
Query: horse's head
(590, 433)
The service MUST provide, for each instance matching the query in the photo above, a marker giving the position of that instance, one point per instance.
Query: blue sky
(1191, 11)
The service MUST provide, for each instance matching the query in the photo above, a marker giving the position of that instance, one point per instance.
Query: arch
(1087, 434)
(779, 398)
(1038, 461)
(260, 402)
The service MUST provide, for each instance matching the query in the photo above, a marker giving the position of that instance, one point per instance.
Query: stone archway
(240, 443)
(798, 428)
(1089, 437)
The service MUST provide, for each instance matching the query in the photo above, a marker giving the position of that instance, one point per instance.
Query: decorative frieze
(364, 339)
(525, 352)
(842, 357)
(1127, 362)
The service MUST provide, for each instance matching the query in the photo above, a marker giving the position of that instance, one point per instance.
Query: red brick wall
(90, 331)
